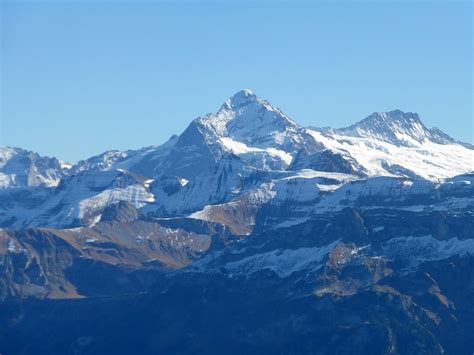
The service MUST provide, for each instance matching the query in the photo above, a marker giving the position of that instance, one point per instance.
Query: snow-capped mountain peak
(396, 127)
(245, 116)
(398, 143)
(253, 129)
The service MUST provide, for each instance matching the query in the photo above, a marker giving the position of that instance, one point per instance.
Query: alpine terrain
(245, 234)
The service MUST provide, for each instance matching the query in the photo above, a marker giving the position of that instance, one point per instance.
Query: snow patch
(239, 148)
(282, 262)
(426, 159)
(12, 246)
(416, 250)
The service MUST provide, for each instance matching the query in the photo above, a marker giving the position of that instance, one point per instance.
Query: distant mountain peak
(397, 117)
(242, 99)
(395, 121)
(396, 127)
(22, 168)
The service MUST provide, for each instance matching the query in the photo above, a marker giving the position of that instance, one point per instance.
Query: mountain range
(247, 233)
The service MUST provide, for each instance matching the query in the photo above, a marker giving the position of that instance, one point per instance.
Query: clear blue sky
(82, 77)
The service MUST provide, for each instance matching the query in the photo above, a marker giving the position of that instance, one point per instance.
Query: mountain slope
(398, 144)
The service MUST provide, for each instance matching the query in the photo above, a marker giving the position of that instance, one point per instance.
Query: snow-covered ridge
(416, 250)
(426, 159)
(410, 251)
(283, 262)
(396, 127)
(83, 197)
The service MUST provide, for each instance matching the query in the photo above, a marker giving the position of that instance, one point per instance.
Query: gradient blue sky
(82, 77)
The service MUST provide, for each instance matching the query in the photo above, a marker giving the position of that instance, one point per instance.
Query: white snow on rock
(283, 262)
(84, 196)
(11, 246)
(22, 168)
(416, 250)
(426, 159)
(241, 149)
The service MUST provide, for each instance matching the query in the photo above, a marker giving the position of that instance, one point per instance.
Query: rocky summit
(245, 234)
